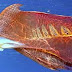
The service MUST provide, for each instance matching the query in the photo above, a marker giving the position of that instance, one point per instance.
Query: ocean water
(11, 60)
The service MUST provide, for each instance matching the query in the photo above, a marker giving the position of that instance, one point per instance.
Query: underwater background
(11, 60)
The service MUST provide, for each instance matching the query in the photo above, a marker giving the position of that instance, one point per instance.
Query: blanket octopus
(45, 38)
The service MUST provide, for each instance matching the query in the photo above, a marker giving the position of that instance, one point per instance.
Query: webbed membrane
(45, 38)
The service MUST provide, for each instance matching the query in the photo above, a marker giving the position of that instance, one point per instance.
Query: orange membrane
(45, 38)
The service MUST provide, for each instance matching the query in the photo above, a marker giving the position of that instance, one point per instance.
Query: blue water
(12, 61)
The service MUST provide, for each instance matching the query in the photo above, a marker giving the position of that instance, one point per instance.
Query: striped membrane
(45, 32)
(34, 34)
(65, 31)
(53, 31)
(39, 33)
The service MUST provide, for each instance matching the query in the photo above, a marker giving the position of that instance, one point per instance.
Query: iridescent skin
(47, 37)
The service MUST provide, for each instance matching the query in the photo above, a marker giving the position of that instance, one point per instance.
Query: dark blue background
(12, 61)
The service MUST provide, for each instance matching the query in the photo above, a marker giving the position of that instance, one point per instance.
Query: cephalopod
(45, 38)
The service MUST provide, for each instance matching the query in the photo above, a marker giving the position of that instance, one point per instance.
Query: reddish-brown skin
(54, 51)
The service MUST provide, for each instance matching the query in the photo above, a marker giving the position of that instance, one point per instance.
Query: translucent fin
(11, 45)
(6, 43)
